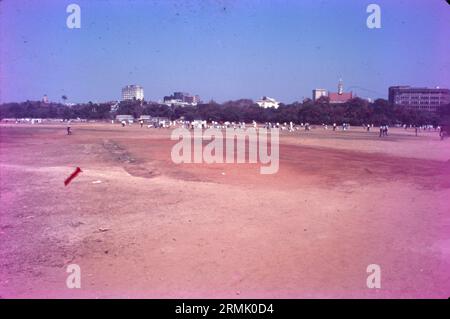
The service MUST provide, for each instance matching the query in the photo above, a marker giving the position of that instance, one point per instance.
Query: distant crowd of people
(290, 127)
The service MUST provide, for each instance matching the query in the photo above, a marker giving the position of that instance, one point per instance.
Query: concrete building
(181, 99)
(131, 92)
(267, 102)
(421, 99)
(340, 96)
(318, 93)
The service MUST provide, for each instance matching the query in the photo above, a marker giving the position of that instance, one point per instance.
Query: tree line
(355, 112)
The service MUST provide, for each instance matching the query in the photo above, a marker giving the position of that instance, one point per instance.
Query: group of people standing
(384, 130)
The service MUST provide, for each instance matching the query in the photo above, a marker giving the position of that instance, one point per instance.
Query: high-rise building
(318, 93)
(421, 99)
(132, 92)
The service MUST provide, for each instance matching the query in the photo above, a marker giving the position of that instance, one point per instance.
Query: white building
(267, 102)
(177, 102)
(124, 117)
(131, 92)
(318, 93)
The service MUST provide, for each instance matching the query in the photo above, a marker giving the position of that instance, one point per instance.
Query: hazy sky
(221, 49)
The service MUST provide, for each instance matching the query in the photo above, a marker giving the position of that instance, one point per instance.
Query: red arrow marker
(72, 176)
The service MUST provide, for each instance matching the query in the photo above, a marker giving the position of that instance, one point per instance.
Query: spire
(340, 87)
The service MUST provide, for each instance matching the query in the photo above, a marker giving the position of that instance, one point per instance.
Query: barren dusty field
(151, 228)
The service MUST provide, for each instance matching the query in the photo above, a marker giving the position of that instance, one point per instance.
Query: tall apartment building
(421, 99)
(131, 92)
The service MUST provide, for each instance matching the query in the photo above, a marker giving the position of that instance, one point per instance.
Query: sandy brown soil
(340, 201)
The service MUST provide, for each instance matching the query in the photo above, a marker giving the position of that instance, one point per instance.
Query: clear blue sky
(220, 49)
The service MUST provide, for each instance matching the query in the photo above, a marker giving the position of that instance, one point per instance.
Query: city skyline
(222, 50)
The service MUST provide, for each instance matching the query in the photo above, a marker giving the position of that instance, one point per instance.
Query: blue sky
(219, 49)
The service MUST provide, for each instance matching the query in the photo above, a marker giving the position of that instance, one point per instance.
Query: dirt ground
(139, 225)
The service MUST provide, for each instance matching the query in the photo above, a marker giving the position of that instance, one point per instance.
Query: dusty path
(151, 228)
